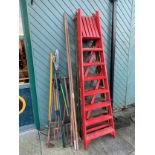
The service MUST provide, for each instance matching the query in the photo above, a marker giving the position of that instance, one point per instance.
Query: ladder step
(97, 105)
(92, 49)
(93, 64)
(98, 119)
(93, 92)
(99, 133)
(90, 38)
(98, 127)
(99, 77)
(97, 99)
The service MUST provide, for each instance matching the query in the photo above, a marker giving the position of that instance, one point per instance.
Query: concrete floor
(123, 144)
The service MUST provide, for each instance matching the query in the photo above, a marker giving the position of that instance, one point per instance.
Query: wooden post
(72, 101)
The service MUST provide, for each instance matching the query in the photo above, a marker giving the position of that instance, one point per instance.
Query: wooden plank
(85, 26)
(95, 28)
(91, 25)
(74, 123)
(99, 133)
(98, 119)
(88, 26)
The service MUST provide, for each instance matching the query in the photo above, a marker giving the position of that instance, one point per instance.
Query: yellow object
(20, 79)
(23, 104)
(50, 88)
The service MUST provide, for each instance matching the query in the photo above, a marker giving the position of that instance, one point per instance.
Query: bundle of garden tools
(61, 102)
(58, 89)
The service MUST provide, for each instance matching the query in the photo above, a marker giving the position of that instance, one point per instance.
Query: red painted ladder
(97, 115)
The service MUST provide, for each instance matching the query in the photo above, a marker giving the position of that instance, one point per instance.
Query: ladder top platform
(89, 26)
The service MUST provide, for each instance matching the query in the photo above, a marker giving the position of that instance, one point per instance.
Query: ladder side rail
(97, 15)
(97, 18)
(80, 53)
(100, 45)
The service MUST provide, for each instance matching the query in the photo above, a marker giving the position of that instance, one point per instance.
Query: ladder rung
(89, 78)
(89, 38)
(97, 127)
(93, 64)
(93, 92)
(99, 133)
(97, 105)
(97, 99)
(98, 119)
(92, 49)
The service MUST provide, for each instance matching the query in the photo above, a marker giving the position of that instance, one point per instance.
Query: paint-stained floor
(123, 144)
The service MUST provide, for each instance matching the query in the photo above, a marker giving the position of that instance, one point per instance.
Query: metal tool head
(56, 59)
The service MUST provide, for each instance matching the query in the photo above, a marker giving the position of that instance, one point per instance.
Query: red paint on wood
(89, 28)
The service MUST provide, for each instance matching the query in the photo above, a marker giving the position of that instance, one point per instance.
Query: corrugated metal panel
(47, 32)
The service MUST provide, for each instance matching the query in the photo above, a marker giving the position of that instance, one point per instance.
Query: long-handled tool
(64, 98)
(56, 129)
(58, 107)
(50, 145)
(73, 112)
(66, 107)
(67, 98)
(65, 121)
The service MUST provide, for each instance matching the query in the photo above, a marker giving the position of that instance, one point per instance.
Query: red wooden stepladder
(97, 115)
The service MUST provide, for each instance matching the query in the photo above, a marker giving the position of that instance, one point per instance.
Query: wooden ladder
(97, 115)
